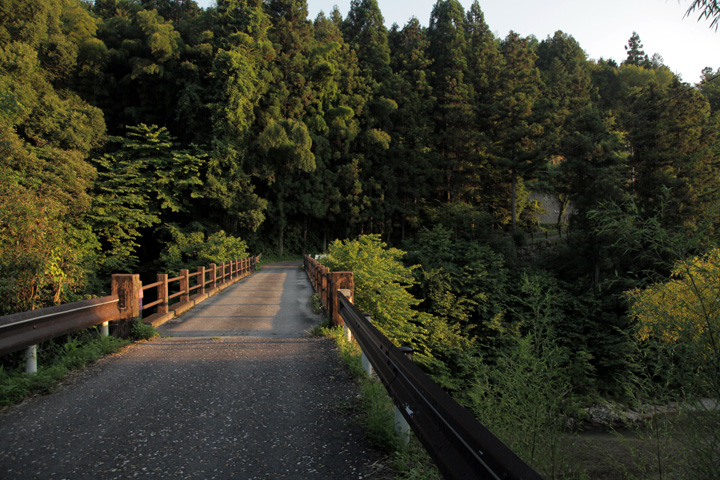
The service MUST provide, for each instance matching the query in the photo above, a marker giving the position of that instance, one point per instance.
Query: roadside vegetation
(535, 385)
(58, 358)
(375, 410)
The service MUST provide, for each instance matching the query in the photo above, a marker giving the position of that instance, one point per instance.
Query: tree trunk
(564, 202)
(514, 204)
(281, 225)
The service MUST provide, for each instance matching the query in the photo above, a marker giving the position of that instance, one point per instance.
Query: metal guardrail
(461, 447)
(21, 330)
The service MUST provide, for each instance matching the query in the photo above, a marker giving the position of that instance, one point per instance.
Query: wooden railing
(326, 284)
(460, 445)
(205, 282)
(123, 307)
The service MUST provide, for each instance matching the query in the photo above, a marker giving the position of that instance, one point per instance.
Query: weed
(316, 304)
(143, 331)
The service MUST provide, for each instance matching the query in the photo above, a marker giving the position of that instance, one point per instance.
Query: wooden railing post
(127, 287)
(339, 281)
(185, 285)
(163, 293)
(201, 279)
(213, 275)
(348, 333)
(324, 287)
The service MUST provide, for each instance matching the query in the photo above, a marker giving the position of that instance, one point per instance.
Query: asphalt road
(240, 391)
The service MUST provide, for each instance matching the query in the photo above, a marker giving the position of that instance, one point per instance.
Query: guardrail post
(31, 359)
(127, 287)
(105, 329)
(364, 360)
(402, 428)
(201, 279)
(185, 285)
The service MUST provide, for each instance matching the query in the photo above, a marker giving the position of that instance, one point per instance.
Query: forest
(139, 136)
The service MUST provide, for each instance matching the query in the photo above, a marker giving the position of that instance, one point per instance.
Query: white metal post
(105, 329)
(31, 359)
(366, 365)
(402, 428)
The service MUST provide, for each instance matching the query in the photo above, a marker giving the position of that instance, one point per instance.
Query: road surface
(237, 390)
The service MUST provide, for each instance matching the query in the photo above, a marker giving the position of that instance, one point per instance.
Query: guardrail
(21, 330)
(27, 329)
(460, 445)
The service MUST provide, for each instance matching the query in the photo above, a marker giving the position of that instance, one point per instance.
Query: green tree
(710, 87)
(139, 83)
(411, 125)
(517, 127)
(673, 138)
(635, 53)
(44, 259)
(194, 248)
(364, 30)
(381, 287)
(286, 148)
(678, 332)
(47, 133)
(453, 116)
(239, 77)
(148, 180)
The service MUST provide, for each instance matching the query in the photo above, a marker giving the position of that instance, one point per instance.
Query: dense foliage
(138, 135)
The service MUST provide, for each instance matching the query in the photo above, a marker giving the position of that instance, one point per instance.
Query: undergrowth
(57, 358)
(143, 331)
(377, 413)
(274, 258)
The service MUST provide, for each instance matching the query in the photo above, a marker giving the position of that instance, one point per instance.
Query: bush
(142, 331)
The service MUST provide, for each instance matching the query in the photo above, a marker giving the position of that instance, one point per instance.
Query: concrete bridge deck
(237, 390)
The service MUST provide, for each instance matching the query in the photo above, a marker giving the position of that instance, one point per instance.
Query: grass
(56, 359)
(377, 414)
(273, 258)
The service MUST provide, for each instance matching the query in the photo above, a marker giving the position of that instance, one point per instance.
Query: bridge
(236, 388)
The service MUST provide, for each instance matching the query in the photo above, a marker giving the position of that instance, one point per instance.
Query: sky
(601, 27)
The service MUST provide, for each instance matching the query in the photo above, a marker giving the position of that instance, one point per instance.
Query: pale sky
(602, 27)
